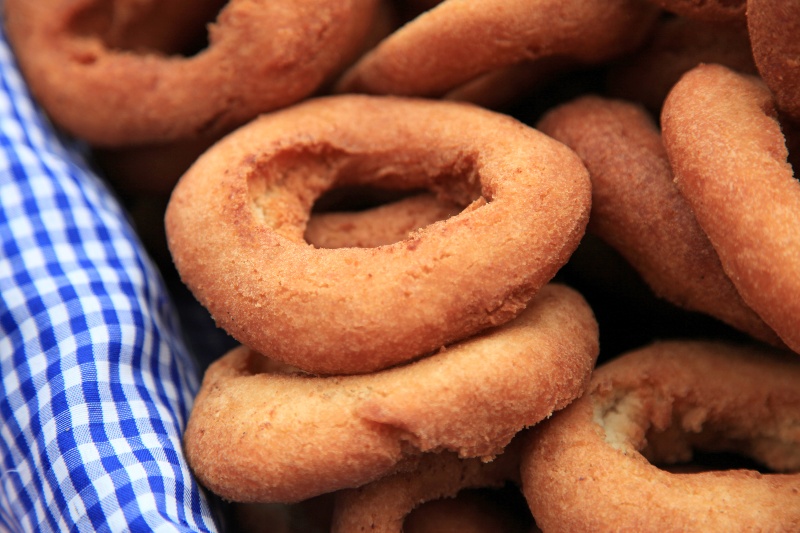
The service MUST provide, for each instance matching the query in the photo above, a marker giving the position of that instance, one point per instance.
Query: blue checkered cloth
(97, 381)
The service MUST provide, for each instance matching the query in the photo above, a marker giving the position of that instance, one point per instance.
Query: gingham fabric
(96, 381)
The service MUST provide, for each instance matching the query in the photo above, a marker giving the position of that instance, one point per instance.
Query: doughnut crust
(638, 210)
(676, 46)
(459, 40)
(385, 224)
(589, 467)
(326, 311)
(774, 26)
(257, 434)
(383, 505)
(729, 157)
(262, 55)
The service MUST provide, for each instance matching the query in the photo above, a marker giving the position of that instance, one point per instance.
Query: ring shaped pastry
(658, 405)
(261, 55)
(729, 158)
(258, 434)
(774, 26)
(327, 310)
(638, 210)
(457, 41)
(384, 505)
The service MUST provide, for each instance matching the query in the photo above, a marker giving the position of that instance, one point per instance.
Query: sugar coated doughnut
(259, 434)
(637, 209)
(261, 55)
(774, 26)
(326, 311)
(459, 40)
(592, 466)
(383, 505)
(730, 162)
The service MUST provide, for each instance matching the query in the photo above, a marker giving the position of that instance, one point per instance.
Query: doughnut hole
(684, 436)
(331, 199)
(145, 26)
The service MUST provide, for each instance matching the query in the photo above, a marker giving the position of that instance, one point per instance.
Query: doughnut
(729, 159)
(258, 433)
(327, 311)
(774, 26)
(729, 12)
(459, 40)
(591, 467)
(637, 209)
(502, 88)
(471, 511)
(262, 55)
(381, 225)
(383, 506)
(676, 46)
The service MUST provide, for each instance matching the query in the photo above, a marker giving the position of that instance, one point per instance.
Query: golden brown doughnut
(591, 466)
(637, 208)
(326, 311)
(676, 46)
(459, 40)
(730, 163)
(259, 435)
(381, 225)
(774, 26)
(261, 55)
(384, 505)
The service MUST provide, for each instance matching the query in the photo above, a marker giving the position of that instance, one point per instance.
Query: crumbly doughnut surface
(638, 210)
(326, 311)
(459, 40)
(384, 505)
(261, 55)
(773, 26)
(261, 434)
(729, 157)
(657, 405)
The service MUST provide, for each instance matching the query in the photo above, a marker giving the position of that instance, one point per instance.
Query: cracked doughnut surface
(260, 434)
(326, 311)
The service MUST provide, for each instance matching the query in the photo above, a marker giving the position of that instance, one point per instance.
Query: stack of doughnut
(522, 266)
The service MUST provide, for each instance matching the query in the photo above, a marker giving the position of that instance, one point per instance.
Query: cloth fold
(96, 379)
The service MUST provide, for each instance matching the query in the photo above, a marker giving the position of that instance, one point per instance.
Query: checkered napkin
(96, 382)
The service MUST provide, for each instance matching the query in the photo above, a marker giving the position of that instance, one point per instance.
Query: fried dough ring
(730, 162)
(774, 26)
(637, 209)
(262, 55)
(383, 505)
(326, 311)
(587, 468)
(256, 434)
(459, 40)
(385, 224)
(676, 46)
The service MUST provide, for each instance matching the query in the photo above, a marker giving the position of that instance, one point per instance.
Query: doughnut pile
(494, 266)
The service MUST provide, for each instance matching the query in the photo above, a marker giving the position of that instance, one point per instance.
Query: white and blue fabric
(96, 381)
